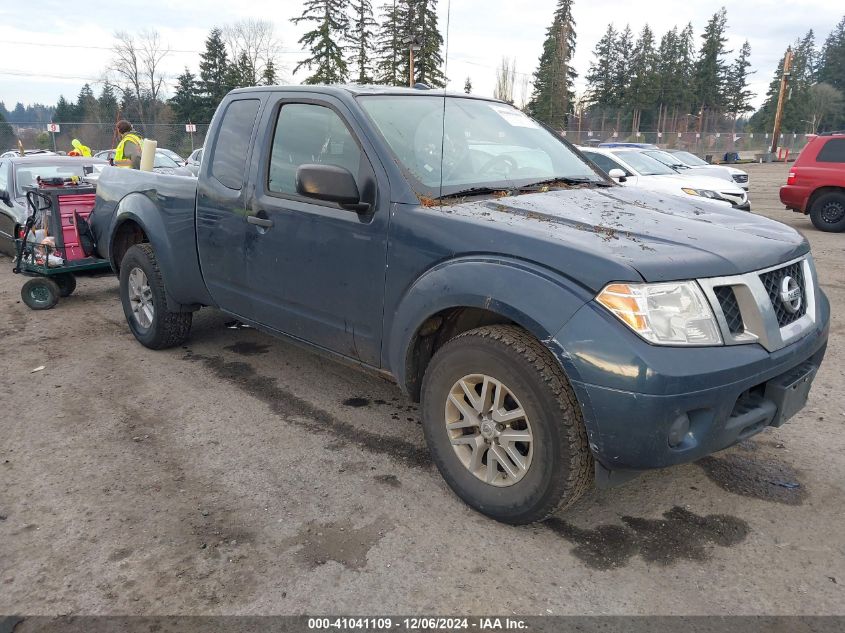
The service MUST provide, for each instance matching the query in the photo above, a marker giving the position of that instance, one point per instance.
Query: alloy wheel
(489, 430)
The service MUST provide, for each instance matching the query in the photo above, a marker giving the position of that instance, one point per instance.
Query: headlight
(675, 313)
(704, 193)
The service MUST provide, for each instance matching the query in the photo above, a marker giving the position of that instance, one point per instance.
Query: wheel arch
(817, 193)
(465, 294)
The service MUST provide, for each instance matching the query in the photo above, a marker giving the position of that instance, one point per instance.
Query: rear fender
(174, 244)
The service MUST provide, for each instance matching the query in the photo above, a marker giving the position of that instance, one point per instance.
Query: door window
(232, 145)
(307, 134)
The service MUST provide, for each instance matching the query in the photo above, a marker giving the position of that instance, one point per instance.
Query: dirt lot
(240, 474)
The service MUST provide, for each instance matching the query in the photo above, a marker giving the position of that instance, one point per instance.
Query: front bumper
(632, 394)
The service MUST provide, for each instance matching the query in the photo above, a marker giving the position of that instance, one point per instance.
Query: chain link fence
(101, 136)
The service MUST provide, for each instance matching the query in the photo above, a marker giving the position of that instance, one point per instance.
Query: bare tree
(257, 41)
(136, 65)
(505, 78)
(825, 100)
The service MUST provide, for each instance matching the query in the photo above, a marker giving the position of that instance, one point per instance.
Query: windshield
(480, 144)
(666, 158)
(690, 159)
(26, 175)
(645, 165)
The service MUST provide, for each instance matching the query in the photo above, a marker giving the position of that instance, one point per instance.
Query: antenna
(448, 19)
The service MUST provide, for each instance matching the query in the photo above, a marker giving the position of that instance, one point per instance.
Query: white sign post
(54, 128)
(190, 128)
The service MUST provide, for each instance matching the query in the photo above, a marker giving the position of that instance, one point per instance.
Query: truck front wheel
(503, 425)
(142, 293)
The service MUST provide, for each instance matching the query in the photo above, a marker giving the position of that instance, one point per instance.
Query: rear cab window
(228, 160)
(832, 152)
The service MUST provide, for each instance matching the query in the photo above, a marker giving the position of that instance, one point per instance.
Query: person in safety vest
(128, 150)
(83, 150)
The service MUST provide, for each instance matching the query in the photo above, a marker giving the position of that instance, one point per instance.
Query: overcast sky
(38, 61)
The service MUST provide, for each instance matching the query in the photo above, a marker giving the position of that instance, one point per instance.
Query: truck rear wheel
(504, 426)
(828, 212)
(144, 299)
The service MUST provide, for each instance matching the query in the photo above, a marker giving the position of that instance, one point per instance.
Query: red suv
(816, 182)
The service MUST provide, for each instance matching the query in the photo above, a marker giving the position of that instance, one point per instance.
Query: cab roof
(356, 90)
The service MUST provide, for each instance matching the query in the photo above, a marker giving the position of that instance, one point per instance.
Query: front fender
(531, 296)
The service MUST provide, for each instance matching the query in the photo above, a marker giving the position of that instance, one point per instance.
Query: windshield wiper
(565, 180)
(477, 191)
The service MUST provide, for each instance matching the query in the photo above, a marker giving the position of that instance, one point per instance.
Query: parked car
(162, 164)
(27, 152)
(739, 176)
(816, 182)
(171, 154)
(558, 328)
(706, 170)
(19, 172)
(640, 170)
(194, 160)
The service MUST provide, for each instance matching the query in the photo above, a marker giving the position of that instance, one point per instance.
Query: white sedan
(633, 168)
(739, 176)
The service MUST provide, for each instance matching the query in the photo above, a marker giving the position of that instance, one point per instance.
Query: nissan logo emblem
(790, 294)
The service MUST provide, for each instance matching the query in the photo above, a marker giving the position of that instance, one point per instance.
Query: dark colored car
(19, 172)
(559, 329)
(816, 182)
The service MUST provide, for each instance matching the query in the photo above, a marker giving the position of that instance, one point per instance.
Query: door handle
(265, 223)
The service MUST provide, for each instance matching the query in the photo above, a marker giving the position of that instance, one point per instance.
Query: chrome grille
(730, 308)
(772, 282)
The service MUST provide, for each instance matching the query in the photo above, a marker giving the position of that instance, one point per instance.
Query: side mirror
(330, 183)
(5, 197)
(618, 175)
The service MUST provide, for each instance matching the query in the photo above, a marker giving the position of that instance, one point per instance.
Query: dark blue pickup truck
(559, 330)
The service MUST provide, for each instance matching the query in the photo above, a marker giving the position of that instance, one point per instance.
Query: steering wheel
(507, 161)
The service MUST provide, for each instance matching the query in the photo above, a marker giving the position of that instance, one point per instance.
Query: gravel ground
(242, 475)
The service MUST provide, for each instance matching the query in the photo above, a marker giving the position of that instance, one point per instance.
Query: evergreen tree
(214, 74)
(623, 51)
(87, 108)
(552, 98)
(19, 114)
(324, 41)
(642, 90)
(390, 52)
(241, 73)
(64, 110)
(107, 104)
(600, 76)
(361, 38)
(832, 59)
(7, 135)
(468, 86)
(268, 75)
(711, 70)
(186, 102)
(738, 95)
(428, 61)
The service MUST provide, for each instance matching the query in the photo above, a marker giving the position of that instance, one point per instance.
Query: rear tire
(828, 212)
(549, 469)
(144, 299)
(66, 283)
(40, 293)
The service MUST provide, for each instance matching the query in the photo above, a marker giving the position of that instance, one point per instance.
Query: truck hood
(661, 237)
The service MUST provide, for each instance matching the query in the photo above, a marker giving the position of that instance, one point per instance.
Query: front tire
(828, 212)
(503, 425)
(144, 299)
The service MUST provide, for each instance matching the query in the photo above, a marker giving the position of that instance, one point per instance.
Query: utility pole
(414, 43)
(787, 67)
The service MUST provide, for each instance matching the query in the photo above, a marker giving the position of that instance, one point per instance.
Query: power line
(108, 48)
